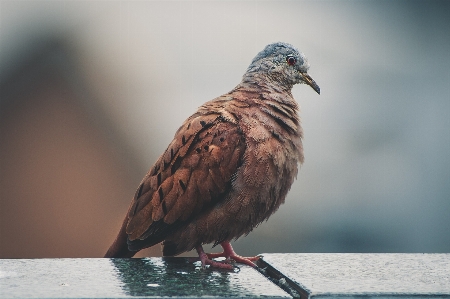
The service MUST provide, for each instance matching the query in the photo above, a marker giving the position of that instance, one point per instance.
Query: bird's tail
(120, 246)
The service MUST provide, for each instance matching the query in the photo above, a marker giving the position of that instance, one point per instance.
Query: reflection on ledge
(164, 277)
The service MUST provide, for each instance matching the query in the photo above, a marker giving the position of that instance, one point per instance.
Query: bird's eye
(291, 60)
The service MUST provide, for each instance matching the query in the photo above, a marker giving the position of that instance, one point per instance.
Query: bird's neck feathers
(268, 90)
(271, 101)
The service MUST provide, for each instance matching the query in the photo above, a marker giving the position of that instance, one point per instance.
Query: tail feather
(120, 246)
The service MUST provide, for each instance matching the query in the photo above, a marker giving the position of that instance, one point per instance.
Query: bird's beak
(311, 82)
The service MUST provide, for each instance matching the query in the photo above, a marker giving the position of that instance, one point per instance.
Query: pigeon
(228, 168)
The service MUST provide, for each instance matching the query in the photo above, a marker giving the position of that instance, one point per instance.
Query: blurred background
(91, 93)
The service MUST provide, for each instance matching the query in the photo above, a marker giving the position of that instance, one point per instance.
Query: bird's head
(283, 64)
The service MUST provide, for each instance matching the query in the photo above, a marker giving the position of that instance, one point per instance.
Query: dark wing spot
(175, 165)
(164, 208)
(135, 209)
(159, 178)
(161, 195)
(183, 186)
(171, 153)
(198, 150)
(166, 164)
(202, 123)
(183, 140)
(155, 169)
(140, 190)
(206, 147)
(221, 139)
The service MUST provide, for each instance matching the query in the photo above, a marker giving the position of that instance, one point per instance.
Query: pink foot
(206, 260)
(229, 254)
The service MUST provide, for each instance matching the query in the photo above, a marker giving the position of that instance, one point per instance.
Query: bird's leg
(229, 253)
(206, 260)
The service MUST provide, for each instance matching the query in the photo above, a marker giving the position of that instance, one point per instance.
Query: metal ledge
(315, 276)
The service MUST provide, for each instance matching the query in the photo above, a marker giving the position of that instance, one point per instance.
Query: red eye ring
(291, 60)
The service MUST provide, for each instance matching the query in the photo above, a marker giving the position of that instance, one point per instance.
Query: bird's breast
(269, 167)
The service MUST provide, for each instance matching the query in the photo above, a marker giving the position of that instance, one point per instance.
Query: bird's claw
(230, 256)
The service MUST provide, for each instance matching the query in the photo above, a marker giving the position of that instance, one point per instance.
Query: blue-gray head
(284, 64)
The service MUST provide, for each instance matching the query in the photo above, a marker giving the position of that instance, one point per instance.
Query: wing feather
(190, 177)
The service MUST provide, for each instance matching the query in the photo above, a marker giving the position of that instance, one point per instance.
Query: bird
(228, 168)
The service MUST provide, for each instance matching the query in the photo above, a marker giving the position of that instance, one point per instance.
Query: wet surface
(349, 275)
(312, 276)
(128, 278)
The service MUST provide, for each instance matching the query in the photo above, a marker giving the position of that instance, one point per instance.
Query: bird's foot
(229, 254)
(206, 260)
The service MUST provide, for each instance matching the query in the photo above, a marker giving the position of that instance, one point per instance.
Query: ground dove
(228, 168)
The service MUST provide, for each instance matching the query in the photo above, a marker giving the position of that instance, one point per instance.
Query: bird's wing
(192, 175)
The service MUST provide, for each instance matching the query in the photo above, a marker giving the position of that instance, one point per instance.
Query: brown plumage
(228, 168)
